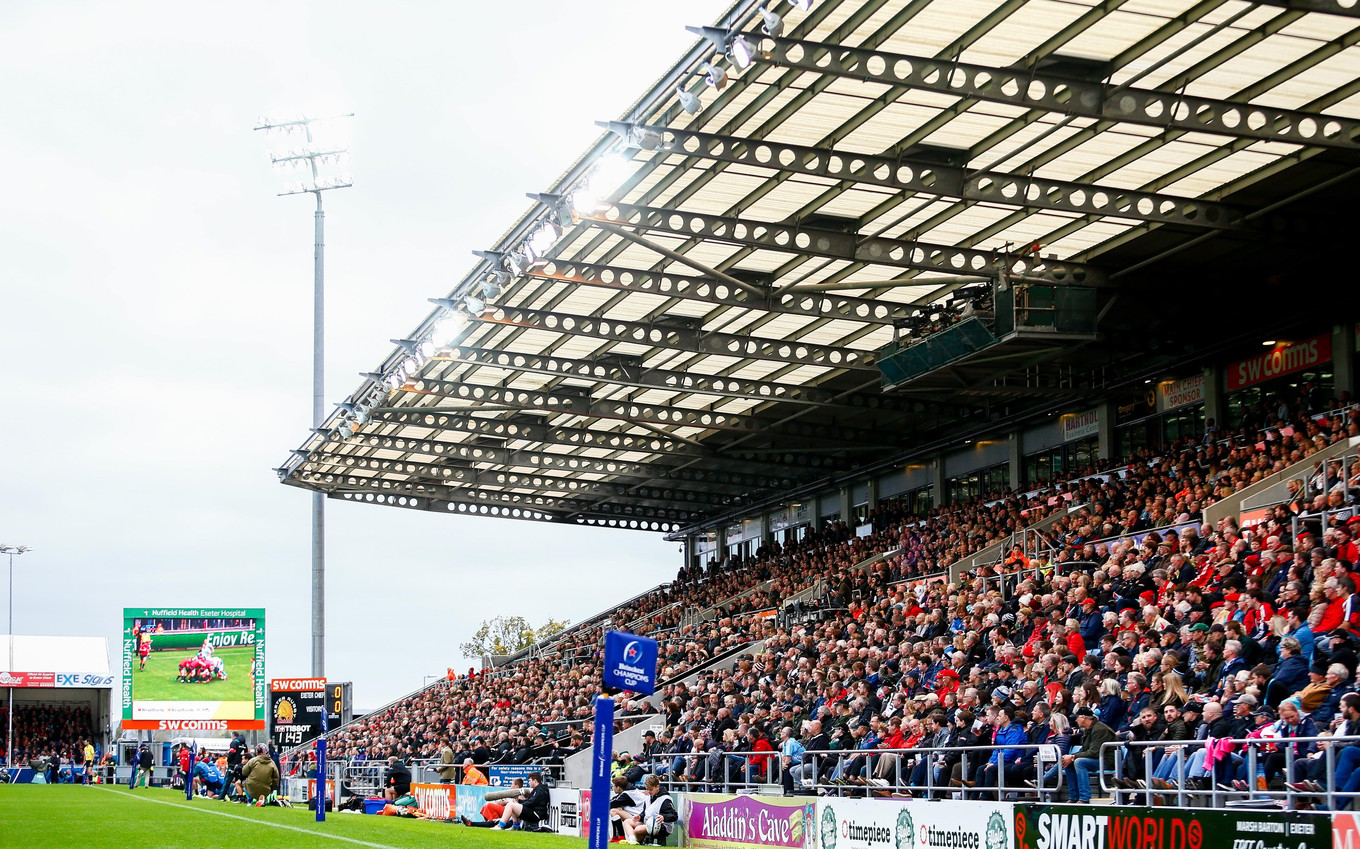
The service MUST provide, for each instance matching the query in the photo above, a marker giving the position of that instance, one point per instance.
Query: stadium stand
(1128, 602)
(55, 731)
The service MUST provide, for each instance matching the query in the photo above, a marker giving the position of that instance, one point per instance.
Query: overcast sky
(155, 304)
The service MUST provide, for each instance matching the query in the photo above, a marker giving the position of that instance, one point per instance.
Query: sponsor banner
(894, 824)
(28, 679)
(720, 821)
(287, 685)
(1172, 394)
(330, 789)
(1252, 518)
(1082, 425)
(503, 775)
(1074, 826)
(193, 725)
(468, 800)
(435, 801)
(1284, 358)
(564, 812)
(585, 813)
(1345, 831)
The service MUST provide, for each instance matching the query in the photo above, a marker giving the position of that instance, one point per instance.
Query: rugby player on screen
(143, 649)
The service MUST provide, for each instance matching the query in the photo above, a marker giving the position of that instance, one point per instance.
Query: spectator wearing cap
(1088, 760)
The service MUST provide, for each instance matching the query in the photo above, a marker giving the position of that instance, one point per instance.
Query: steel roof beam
(568, 437)
(1070, 96)
(581, 404)
(662, 335)
(507, 500)
(354, 473)
(712, 291)
(923, 176)
(1329, 7)
(622, 374)
(809, 241)
(577, 463)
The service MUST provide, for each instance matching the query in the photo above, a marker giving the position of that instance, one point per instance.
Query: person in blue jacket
(1006, 761)
(209, 778)
(1291, 675)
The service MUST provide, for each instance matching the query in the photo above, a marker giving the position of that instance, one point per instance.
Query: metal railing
(1248, 757)
(922, 772)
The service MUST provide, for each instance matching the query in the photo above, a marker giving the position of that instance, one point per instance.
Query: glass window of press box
(1288, 389)
(917, 502)
(986, 481)
(1055, 463)
(1157, 432)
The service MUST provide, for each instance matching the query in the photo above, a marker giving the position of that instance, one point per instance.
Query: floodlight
(645, 138)
(610, 173)
(409, 366)
(446, 329)
(562, 212)
(474, 305)
(394, 380)
(714, 76)
(360, 415)
(689, 101)
(805, 5)
(518, 263)
(427, 348)
(774, 25)
(741, 52)
(585, 199)
(494, 284)
(544, 238)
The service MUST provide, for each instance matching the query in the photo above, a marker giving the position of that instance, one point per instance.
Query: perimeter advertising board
(721, 821)
(888, 824)
(1083, 827)
(193, 669)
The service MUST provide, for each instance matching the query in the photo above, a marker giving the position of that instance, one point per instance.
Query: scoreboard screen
(296, 705)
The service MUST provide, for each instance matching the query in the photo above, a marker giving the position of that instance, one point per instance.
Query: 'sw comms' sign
(1284, 358)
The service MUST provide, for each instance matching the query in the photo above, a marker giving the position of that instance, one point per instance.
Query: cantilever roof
(656, 371)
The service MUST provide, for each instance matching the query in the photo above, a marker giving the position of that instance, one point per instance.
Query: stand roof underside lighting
(689, 323)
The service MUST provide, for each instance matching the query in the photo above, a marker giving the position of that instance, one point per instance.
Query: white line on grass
(203, 810)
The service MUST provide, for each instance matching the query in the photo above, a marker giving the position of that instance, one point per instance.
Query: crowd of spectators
(57, 731)
(1135, 619)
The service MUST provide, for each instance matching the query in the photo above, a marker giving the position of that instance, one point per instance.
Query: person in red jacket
(758, 766)
(1335, 613)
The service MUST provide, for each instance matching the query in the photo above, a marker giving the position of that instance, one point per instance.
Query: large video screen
(193, 669)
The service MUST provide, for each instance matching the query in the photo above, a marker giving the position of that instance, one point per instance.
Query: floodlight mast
(311, 157)
(11, 550)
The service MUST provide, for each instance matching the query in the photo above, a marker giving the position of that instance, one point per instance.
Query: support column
(847, 509)
(1214, 407)
(1105, 414)
(1015, 455)
(1343, 360)
(937, 480)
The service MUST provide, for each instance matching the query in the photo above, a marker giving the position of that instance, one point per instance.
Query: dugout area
(58, 672)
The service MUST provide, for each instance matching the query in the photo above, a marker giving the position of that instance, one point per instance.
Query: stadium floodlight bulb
(610, 173)
(494, 284)
(689, 101)
(774, 25)
(360, 415)
(427, 348)
(518, 263)
(714, 76)
(741, 52)
(645, 138)
(585, 200)
(474, 305)
(394, 380)
(563, 216)
(542, 240)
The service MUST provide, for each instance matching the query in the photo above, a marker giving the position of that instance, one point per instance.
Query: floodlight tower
(11, 550)
(315, 158)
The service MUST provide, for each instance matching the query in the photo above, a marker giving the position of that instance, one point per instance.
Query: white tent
(59, 671)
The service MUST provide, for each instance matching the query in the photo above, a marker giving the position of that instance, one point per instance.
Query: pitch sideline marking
(257, 822)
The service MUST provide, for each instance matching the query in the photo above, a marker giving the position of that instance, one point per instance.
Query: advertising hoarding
(193, 669)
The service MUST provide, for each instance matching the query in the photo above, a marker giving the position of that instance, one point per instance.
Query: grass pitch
(157, 682)
(38, 816)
